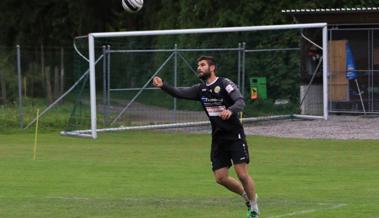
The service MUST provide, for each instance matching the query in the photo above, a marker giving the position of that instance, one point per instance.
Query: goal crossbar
(207, 30)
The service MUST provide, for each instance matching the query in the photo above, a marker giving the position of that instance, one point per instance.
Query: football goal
(266, 62)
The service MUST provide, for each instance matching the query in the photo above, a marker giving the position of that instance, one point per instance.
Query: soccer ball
(132, 6)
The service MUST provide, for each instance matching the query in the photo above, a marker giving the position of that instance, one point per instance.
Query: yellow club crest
(217, 89)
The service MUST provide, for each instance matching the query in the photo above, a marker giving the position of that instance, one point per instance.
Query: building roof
(362, 15)
(331, 10)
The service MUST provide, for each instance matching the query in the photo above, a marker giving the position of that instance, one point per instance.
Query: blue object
(351, 73)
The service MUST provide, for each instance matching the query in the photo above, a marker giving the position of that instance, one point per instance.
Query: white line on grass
(69, 198)
(309, 211)
(328, 206)
(165, 200)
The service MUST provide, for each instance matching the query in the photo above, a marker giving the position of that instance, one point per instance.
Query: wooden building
(356, 29)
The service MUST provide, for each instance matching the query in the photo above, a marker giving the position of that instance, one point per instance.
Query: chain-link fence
(38, 76)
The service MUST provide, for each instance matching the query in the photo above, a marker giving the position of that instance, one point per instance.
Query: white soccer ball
(132, 6)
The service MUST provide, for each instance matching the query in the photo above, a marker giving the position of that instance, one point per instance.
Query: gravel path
(336, 127)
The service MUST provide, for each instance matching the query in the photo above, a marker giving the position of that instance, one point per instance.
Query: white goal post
(93, 36)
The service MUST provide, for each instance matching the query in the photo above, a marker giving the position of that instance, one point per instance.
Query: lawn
(155, 174)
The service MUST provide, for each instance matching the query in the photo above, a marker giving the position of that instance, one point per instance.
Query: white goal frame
(91, 51)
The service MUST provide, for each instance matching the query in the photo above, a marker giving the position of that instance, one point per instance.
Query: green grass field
(153, 174)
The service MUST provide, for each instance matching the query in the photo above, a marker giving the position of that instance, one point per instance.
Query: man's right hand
(157, 82)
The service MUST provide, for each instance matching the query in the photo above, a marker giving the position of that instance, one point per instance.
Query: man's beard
(205, 75)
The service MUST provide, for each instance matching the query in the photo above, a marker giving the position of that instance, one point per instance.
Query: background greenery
(44, 28)
(55, 22)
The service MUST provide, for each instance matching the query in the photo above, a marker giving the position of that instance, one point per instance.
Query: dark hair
(210, 60)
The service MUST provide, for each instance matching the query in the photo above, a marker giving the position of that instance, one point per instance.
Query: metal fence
(32, 76)
(39, 75)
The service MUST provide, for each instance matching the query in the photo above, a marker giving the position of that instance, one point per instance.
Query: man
(222, 101)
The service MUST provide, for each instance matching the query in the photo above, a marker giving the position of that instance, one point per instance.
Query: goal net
(279, 69)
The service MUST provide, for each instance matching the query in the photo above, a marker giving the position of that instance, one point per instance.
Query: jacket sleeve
(235, 94)
(189, 93)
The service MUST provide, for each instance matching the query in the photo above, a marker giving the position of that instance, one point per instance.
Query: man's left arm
(236, 96)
